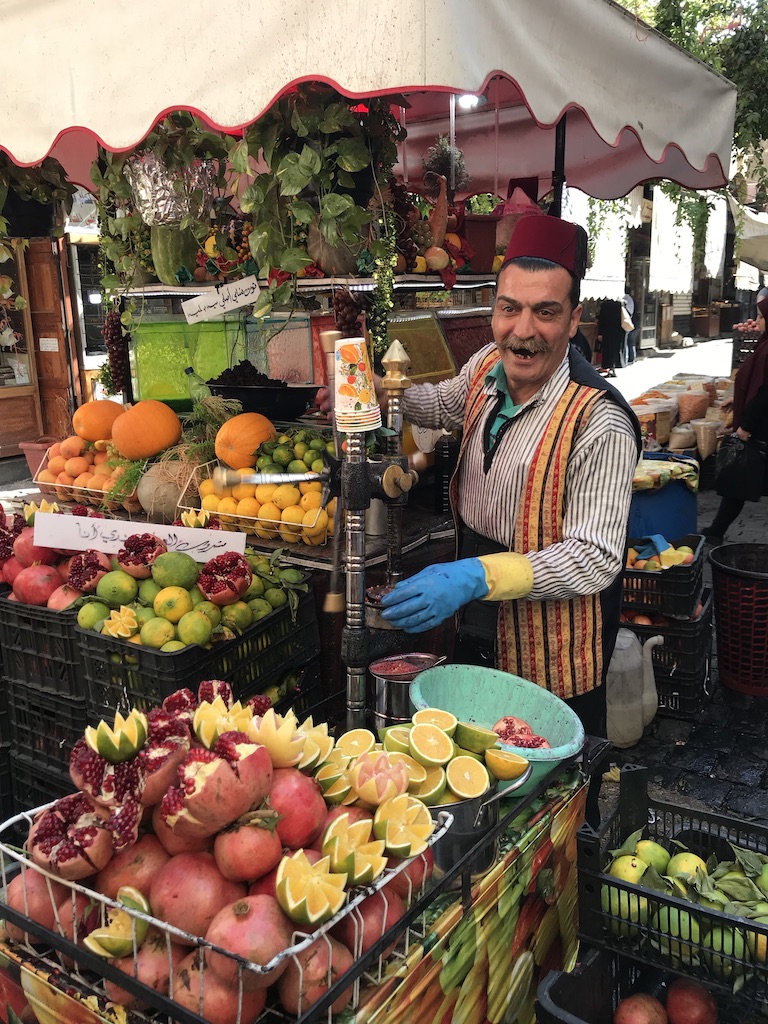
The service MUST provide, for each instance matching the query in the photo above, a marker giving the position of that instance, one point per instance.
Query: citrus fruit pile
(460, 759)
(167, 611)
(292, 513)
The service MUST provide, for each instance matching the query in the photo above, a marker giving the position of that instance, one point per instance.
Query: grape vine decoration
(384, 251)
(117, 351)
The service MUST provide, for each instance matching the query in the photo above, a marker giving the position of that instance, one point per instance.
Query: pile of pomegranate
(199, 831)
(517, 733)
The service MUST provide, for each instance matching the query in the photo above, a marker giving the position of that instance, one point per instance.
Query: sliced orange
(356, 742)
(395, 738)
(432, 788)
(309, 893)
(404, 824)
(505, 764)
(417, 773)
(429, 745)
(467, 778)
(352, 852)
(436, 716)
(377, 777)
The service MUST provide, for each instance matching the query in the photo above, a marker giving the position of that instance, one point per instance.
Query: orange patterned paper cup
(354, 390)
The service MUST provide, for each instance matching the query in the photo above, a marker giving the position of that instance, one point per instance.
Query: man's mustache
(532, 345)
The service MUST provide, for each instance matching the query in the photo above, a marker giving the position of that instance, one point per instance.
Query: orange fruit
(347, 390)
(313, 499)
(72, 446)
(227, 506)
(247, 506)
(83, 479)
(102, 470)
(349, 353)
(285, 495)
(54, 450)
(77, 465)
(315, 523)
(100, 457)
(466, 777)
(56, 465)
(206, 487)
(46, 477)
(241, 491)
(172, 603)
(65, 478)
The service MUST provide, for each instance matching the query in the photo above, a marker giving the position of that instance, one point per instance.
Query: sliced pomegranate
(225, 578)
(166, 747)
(517, 733)
(6, 544)
(87, 568)
(210, 689)
(139, 553)
(71, 838)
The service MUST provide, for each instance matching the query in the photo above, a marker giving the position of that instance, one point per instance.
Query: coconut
(163, 487)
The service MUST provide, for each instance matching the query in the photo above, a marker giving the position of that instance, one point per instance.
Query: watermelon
(172, 249)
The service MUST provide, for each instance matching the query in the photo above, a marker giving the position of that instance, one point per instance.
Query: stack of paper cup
(356, 408)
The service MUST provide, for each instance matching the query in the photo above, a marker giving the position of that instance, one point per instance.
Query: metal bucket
(472, 819)
(391, 684)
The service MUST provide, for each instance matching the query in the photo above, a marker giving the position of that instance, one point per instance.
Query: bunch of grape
(346, 311)
(117, 350)
(403, 209)
(143, 250)
(421, 234)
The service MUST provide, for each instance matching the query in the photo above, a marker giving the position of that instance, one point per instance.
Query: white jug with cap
(631, 698)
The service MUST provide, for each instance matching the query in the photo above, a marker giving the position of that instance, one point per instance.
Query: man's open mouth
(523, 353)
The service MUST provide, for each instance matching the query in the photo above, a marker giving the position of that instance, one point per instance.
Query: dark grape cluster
(245, 375)
(346, 312)
(117, 342)
(405, 213)
(421, 235)
(238, 232)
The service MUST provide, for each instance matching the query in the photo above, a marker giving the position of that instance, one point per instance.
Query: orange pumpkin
(238, 439)
(93, 420)
(144, 430)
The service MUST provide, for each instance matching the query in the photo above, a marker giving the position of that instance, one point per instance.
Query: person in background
(629, 336)
(610, 334)
(750, 417)
(541, 492)
(582, 346)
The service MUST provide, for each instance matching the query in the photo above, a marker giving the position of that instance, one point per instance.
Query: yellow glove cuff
(509, 576)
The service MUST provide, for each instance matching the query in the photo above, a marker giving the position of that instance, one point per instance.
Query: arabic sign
(224, 298)
(77, 533)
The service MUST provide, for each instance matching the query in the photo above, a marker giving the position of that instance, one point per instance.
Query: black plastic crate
(591, 992)
(687, 642)
(40, 647)
(6, 790)
(5, 727)
(33, 785)
(44, 726)
(622, 917)
(118, 673)
(673, 591)
(684, 694)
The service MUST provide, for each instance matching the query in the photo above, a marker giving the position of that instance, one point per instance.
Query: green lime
(317, 466)
(171, 646)
(194, 628)
(317, 443)
(211, 611)
(197, 596)
(157, 632)
(299, 449)
(267, 447)
(175, 569)
(144, 614)
(297, 466)
(92, 613)
(282, 455)
(148, 591)
(291, 575)
(310, 455)
(263, 461)
(260, 607)
(330, 448)
(237, 615)
(474, 738)
(272, 468)
(276, 597)
(256, 588)
(117, 588)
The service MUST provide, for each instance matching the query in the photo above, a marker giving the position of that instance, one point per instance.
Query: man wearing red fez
(541, 491)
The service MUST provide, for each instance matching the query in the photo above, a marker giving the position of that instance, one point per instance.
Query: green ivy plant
(597, 216)
(325, 157)
(691, 208)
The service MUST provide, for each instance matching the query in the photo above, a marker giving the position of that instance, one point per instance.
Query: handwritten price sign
(223, 298)
(77, 533)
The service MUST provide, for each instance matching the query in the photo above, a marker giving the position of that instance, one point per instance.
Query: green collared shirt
(507, 410)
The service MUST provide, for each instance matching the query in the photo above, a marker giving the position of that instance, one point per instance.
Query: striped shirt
(598, 479)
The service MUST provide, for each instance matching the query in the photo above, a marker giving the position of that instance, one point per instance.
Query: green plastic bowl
(482, 696)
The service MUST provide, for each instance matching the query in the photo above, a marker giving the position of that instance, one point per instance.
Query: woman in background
(750, 417)
(610, 334)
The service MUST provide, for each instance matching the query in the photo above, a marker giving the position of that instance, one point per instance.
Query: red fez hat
(549, 238)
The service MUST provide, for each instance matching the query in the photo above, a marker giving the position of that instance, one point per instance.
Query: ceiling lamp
(471, 101)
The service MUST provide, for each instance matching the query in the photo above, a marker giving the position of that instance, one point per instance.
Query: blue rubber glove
(434, 594)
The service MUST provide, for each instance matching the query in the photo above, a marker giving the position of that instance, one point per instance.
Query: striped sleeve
(597, 500)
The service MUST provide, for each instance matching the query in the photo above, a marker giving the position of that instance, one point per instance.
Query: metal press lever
(225, 478)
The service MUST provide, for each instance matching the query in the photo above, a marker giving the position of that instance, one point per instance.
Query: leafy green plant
(483, 203)
(438, 160)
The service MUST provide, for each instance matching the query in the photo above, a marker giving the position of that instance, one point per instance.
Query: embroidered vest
(560, 645)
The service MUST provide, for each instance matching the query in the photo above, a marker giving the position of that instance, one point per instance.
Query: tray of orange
(74, 470)
(283, 513)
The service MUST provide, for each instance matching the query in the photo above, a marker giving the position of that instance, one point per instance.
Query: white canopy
(638, 107)
(752, 229)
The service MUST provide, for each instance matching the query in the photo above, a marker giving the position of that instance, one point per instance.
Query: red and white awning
(79, 71)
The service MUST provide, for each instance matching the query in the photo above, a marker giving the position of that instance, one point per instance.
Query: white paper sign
(49, 344)
(223, 298)
(77, 533)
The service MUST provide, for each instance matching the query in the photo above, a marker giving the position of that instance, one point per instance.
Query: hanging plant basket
(168, 195)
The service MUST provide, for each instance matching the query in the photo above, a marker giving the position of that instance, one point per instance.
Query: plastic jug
(631, 698)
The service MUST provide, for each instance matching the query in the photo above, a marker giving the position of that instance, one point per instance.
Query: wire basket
(86, 973)
(267, 529)
(740, 583)
(70, 494)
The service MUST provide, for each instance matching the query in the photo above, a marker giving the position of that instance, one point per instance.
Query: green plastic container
(483, 695)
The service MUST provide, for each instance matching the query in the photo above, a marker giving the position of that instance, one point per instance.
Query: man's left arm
(598, 495)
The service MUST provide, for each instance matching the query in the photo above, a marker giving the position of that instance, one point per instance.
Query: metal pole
(558, 174)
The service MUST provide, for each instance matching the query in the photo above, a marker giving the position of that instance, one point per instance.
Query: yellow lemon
(293, 516)
(206, 487)
(285, 495)
(315, 522)
(248, 507)
(171, 603)
(310, 485)
(313, 499)
(264, 492)
(210, 503)
(227, 506)
(330, 508)
(240, 491)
